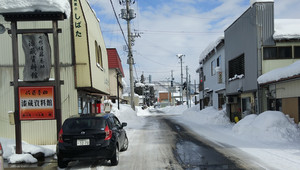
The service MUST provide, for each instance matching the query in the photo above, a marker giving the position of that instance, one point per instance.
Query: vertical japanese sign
(78, 20)
(37, 57)
(36, 103)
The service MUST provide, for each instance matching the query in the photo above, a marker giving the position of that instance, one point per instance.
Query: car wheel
(61, 163)
(115, 159)
(125, 145)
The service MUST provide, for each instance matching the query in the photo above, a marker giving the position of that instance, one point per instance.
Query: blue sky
(170, 27)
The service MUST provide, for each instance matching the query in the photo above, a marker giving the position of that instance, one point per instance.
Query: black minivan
(91, 137)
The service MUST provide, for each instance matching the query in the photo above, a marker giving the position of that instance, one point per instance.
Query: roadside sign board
(37, 57)
(36, 103)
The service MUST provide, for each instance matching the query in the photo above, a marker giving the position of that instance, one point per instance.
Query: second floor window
(219, 61)
(278, 53)
(212, 67)
(237, 66)
(98, 55)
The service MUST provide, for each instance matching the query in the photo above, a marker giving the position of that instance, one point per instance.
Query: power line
(176, 32)
(137, 77)
(112, 5)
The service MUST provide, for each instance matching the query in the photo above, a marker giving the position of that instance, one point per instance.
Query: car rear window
(71, 125)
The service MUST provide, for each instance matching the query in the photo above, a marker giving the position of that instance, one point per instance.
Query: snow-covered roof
(286, 29)
(139, 84)
(254, 1)
(280, 73)
(17, 6)
(162, 91)
(150, 84)
(128, 94)
(212, 46)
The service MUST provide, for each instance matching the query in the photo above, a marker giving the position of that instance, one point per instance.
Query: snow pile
(11, 6)
(236, 77)
(212, 46)
(280, 73)
(139, 85)
(208, 115)
(28, 149)
(126, 114)
(173, 110)
(286, 29)
(268, 126)
(19, 158)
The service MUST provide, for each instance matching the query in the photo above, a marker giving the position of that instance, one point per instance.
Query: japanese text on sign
(37, 57)
(36, 103)
(77, 18)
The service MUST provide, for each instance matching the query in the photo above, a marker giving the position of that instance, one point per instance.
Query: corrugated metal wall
(243, 37)
(36, 132)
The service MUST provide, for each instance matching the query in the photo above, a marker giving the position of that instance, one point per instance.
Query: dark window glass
(284, 52)
(218, 61)
(74, 125)
(277, 53)
(237, 66)
(297, 52)
(270, 53)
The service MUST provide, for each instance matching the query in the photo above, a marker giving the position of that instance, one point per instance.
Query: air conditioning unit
(231, 100)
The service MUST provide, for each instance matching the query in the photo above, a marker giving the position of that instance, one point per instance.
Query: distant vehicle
(1, 157)
(91, 137)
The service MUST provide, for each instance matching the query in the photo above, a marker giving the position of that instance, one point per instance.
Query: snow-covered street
(268, 141)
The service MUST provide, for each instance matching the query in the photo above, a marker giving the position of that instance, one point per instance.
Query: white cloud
(177, 26)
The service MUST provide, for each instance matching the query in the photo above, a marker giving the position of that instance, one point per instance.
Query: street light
(180, 57)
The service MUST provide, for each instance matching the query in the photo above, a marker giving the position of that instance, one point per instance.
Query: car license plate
(83, 142)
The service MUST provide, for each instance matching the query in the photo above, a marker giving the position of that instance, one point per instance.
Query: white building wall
(211, 81)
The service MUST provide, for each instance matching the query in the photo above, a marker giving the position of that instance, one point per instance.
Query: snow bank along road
(164, 144)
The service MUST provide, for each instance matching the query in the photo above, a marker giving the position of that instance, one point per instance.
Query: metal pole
(168, 94)
(57, 77)
(187, 83)
(190, 90)
(130, 57)
(172, 81)
(118, 84)
(181, 95)
(16, 86)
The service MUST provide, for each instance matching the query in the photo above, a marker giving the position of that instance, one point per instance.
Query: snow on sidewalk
(270, 137)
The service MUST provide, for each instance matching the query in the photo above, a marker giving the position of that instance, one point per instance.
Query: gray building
(244, 39)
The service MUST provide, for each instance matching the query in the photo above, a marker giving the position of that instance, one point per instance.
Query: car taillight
(60, 139)
(108, 133)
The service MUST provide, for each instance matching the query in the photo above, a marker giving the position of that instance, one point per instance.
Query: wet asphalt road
(160, 144)
(192, 153)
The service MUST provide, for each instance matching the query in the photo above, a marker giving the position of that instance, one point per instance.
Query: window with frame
(237, 66)
(219, 61)
(277, 53)
(297, 52)
(284, 52)
(212, 67)
(98, 55)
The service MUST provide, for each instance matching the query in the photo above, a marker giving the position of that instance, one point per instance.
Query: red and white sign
(36, 103)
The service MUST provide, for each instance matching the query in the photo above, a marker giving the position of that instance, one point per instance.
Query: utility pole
(172, 86)
(187, 85)
(190, 90)
(181, 95)
(128, 14)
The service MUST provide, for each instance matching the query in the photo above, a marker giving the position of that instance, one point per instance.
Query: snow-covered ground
(270, 137)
